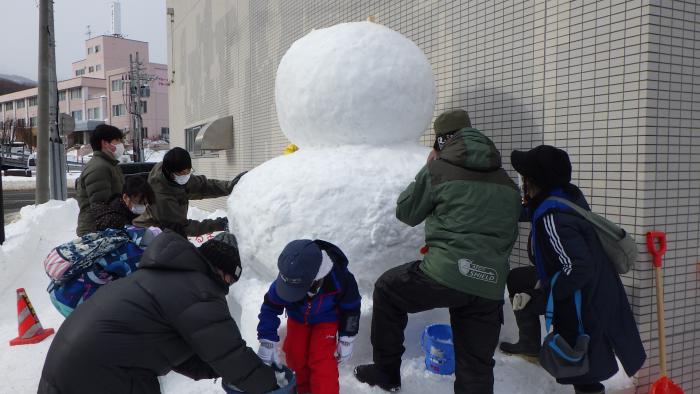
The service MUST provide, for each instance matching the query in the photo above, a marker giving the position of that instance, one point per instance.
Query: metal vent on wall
(215, 135)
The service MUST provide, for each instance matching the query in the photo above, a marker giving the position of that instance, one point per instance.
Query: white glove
(344, 350)
(520, 300)
(269, 352)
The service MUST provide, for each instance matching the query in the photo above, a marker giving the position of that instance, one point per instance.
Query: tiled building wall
(614, 82)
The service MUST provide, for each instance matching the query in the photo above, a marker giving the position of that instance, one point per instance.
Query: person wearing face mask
(123, 209)
(175, 185)
(101, 178)
(170, 315)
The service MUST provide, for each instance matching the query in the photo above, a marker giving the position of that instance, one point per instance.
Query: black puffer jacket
(169, 315)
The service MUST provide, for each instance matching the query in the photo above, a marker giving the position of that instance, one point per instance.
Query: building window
(98, 67)
(97, 48)
(91, 69)
(76, 93)
(89, 50)
(32, 101)
(8, 106)
(119, 110)
(77, 115)
(93, 113)
(144, 132)
(80, 72)
(62, 95)
(33, 121)
(117, 85)
(144, 107)
(165, 133)
(20, 104)
(190, 137)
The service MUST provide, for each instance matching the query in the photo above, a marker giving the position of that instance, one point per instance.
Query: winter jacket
(100, 180)
(471, 208)
(172, 202)
(114, 214)
(568, 243)
(114, 265)
(171, 314)
(338, 300)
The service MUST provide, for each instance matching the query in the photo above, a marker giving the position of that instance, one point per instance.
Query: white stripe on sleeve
(556, 243)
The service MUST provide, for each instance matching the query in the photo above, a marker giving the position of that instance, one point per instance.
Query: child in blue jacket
(322, 302)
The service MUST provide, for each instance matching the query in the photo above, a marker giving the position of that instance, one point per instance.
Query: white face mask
(138, 209)
(119, 150)
(182, 179)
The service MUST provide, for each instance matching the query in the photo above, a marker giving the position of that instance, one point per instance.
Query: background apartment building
(97, 93)
(614, 82)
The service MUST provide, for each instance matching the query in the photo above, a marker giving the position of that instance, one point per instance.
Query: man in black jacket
(171, 314)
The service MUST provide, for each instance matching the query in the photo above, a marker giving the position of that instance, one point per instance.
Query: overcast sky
(142, 20)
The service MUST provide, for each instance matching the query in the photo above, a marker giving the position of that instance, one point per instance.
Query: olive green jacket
(172, 202)
(100, 180)
(471, 208)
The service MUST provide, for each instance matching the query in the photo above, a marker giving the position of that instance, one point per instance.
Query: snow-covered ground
(42, 227)
(29, 182)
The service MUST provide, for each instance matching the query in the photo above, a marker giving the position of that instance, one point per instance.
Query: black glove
(221, 224)
(237, 178)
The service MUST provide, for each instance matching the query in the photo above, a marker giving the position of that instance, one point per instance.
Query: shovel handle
(655, 238)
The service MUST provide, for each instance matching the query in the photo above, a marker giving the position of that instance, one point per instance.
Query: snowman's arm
(416, 202)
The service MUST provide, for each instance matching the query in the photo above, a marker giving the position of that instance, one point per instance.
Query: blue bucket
(290, 388)
(436, 343)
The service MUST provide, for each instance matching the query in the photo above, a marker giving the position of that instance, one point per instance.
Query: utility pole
(57, 152)
(42, 160)
(138, 89)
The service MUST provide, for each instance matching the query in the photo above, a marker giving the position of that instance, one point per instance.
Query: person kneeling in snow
(470, 207)
(171, 314)
(111, 251)
(322, 300)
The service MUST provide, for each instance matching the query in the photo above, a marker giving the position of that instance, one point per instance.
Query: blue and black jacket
(338, 300)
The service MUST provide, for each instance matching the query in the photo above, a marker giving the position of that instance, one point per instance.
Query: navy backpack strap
(549, 312)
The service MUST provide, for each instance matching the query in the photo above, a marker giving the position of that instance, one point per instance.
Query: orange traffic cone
(29, 326)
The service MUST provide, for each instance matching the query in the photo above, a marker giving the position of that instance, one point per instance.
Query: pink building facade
(97, 93)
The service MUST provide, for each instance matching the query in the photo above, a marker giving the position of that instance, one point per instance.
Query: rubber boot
(594, 388)
(375, 376)
(530, 340)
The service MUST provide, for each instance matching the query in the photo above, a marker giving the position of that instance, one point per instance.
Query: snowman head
(352, 84)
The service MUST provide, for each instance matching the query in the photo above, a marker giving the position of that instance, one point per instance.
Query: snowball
(354, 83)
(345, 195)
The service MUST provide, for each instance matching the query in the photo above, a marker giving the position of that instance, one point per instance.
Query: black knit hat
(222, 252)
(176, 160)
(547, 166)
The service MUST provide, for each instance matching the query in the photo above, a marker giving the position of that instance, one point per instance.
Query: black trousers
(476, 324)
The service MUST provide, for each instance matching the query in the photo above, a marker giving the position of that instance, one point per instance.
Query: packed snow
(29, 182)
(354, 83)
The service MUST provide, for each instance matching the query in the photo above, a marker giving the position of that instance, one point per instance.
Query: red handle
(651, 246)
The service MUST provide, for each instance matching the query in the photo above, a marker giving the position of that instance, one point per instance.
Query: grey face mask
(138, 209)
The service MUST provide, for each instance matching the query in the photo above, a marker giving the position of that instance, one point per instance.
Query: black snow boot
(529, 342)
(594, 388)
(375, 376)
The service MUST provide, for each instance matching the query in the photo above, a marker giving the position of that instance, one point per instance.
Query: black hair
(176, 160)
(223, 256)
(137, 186)
(104, 132)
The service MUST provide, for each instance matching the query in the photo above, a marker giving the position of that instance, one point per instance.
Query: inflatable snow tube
(289, 380)
(436, 343)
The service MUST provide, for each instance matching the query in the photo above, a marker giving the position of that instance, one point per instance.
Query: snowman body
(355, 98)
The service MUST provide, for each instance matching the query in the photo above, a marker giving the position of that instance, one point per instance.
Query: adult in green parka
(470, 207)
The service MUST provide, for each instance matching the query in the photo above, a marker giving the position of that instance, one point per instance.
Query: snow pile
(359, 83)
(345, 195)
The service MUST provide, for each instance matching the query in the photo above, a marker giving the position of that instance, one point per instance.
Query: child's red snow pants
(310, 353)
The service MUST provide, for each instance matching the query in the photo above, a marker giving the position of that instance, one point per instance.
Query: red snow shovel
(663, 385)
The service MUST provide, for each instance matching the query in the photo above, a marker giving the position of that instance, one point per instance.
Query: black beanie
(176, 160)
(547, 166)
(222, 252)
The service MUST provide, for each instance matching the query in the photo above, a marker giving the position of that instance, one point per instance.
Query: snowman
(355, 98)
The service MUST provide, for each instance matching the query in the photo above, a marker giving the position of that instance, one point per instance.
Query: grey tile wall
(616, 83)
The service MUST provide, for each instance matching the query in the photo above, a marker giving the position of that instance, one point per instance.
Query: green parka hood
(470, 149)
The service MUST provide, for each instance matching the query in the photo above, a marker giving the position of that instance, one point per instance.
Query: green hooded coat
(100, 180)
(471, 208)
